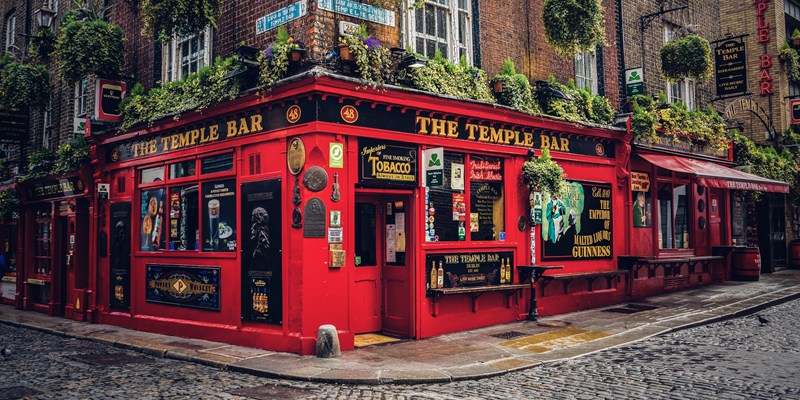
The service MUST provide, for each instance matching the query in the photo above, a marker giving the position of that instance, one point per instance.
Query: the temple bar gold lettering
(489, 134)
(233, 128)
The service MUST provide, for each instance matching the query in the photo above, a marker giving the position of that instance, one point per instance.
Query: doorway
(382, 290)
(772, 233)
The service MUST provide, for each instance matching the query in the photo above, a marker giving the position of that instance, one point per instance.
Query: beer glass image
(213, 221)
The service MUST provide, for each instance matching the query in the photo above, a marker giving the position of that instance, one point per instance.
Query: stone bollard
(328, 342)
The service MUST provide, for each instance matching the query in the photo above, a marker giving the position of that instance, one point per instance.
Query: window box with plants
(275, 59)
(514, 89)
(444, 77)
(373, 62)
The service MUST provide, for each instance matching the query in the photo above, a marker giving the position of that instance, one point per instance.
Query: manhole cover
(17, 392)
(553, 324)
(109, 359)
(273, 392)
(508, 335)
(631, 309)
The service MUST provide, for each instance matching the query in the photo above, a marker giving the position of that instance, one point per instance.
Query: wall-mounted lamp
(44, 16)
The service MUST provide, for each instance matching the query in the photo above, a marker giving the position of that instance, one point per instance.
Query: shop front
(378, 212)
(686, 223)
(10, 273)
(56, 253)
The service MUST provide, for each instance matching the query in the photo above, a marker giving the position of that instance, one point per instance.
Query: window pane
(419, 20)
(447, 204)
(183, 218)
(366, 241)
(665, 216)
(486, 198)
(680, 202)
(218, 163)
(150, 175)
(441, 23)
(182, 169)
(430, 20)
(219, 216)
(421, 46)
(430, 48)
(151, 233)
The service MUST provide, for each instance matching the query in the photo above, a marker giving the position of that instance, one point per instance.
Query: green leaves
(24, 85)
(9, 204)
(543, 173)
(89, 47)
(571, 26)
(686, 57)
(701, 126)
(458, 80)
(178, 18)
(71, 155)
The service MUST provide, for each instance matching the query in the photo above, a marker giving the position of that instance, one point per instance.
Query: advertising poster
(181, 285)
(120, 256)
(386, 163)
(470, 269)
(151, 233)
(459, 207)
(578, 226)
(261, 251)
(219, 216)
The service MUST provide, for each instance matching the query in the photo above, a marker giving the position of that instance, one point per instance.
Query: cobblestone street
(735, 359)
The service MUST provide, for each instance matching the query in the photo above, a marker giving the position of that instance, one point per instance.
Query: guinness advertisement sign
(731, 68)
(386, 163)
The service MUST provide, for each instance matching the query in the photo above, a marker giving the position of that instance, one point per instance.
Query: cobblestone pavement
(735, 359)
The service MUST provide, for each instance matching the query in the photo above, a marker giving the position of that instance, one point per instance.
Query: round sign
(293, 114)
(315, 179)
(599, 149)
(296, 156)
(349, 114)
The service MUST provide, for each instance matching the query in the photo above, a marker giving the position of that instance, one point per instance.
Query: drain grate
(110, 359)
(508, 335)
(17, 392)
(631, 309)
(273, 392)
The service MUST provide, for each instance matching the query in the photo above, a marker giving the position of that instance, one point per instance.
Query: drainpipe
(621, 54)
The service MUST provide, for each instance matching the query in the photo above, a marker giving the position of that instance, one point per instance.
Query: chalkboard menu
(471, 269)
(737, 217)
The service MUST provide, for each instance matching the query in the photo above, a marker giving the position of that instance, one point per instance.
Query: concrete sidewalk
(464, 355)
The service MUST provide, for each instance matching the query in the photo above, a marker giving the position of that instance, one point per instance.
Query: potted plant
(175, 18)
(274, 60)
(88, 46)
(796, 37)
(71, 155)
(573, 25)
(542, 173)
(515, 89)
(372, 60)
(24, 85)
(686, 57)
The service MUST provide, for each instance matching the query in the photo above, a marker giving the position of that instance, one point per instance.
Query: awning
(713, 175)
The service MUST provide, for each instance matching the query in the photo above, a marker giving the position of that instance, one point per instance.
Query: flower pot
(296, 55)
(497, 86)
(796, 42)
(344, 53)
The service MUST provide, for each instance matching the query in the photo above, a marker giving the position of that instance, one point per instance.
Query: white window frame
(47, 125)
(453, 14)
(683, 90)
(171, 61)
(586, 70)
(82, 97)
(5, 151)
(10, 32)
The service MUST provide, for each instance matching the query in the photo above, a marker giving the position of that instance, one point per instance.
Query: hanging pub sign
(386, 163)
(181, 285)
(261, 251)
(108, 98)
(13, 125)
(730, 61)
(469, 269)
(578, 226)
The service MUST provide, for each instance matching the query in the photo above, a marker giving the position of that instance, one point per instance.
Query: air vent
(255, 164)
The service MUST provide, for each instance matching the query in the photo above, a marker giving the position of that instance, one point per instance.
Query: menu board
(486, 205)
(470, 269)
(578, 226)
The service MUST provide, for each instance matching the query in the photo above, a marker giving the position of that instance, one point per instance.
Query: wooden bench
(475, 292)
(671, 265)
(565, 279)
(533, 273)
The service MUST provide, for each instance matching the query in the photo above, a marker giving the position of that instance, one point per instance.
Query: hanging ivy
(770, 163)
(686, 57)
(24, 85)
(543, 174)
(88, 47)
(9, 204)
(177, 18)
(444, 77)
(571, 26)
(71, 155)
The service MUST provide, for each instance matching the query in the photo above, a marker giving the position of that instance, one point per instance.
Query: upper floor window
(81, 97)
(10, 33)
(183, 56)
(682, 90)
(445, 25)
(586, 71)
(47, 124)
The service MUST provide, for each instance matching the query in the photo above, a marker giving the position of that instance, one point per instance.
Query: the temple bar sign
(731, 68)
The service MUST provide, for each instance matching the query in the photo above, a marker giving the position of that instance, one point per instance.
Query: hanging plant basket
(23, 86)
(89, 47)
(686, 57)
(176, 18)
(571, 26)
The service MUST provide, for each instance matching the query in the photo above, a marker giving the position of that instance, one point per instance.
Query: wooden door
(715, 212)
(367, 287)
(396, 271)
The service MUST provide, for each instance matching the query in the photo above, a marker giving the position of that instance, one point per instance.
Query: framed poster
(578, 226)
(183, 285)
(262, 298)
(120, 257)
(151, 231)
(219, 216)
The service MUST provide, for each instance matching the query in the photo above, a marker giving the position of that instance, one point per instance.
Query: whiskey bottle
(440, 276)
(502, 271)
(434, 275)
(508, 270)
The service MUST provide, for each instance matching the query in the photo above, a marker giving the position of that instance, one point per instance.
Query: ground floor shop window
(366, 240)
(673, 218)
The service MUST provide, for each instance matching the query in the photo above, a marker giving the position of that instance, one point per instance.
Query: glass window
(182, 169)
(47, 123)
(11, 33)
(183, 217)
(673, 216)
(586, 71)
(219, 216)
(151, 233)
(150, 175)
(486, 209)
(186, 55)
(81, 97)
(683, 90)
(446, 204)
(366, 238)
(218, 163)
(444, 25)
